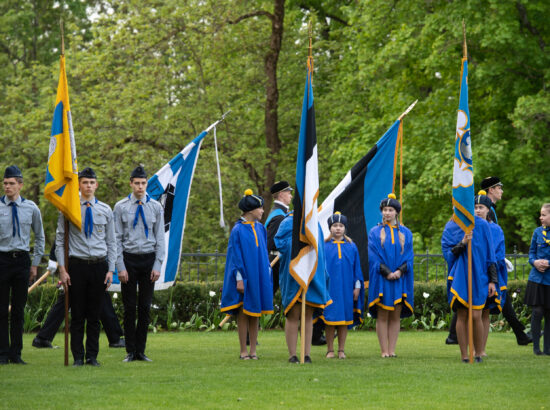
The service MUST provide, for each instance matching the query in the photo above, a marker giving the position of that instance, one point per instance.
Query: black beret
(337, 217)
(250, 201)
(13, 171)
(483, 199)
(490, 182)
(138, 172)
(280, 186)
(87, 173)
(391, 201)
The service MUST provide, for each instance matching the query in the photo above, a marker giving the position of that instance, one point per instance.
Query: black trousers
(139, 269)
(14, 282)
(108, 319)
(509, 314)
(86, 296)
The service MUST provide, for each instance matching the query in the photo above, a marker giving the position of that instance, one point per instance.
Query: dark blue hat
(279, 187)
(138, 172)
(490, 182)
(337, 217)
(391, 201)
(87, 173)
(13, 171)
(249, 201)
(483, 199)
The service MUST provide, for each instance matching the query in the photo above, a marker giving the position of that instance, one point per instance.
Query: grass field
(202, 370)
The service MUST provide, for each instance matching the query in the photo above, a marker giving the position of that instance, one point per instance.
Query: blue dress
(537, 292)
(384, 293)
(317, 293)
(344, 269)
(483, 255)
(247, 255)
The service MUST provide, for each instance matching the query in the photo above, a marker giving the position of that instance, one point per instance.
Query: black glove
(384, 270)
(492, 273)
(458, 248)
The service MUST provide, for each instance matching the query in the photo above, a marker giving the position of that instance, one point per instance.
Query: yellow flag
(61, 187)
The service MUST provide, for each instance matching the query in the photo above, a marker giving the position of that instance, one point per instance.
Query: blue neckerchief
(139, 212)
(89, 219)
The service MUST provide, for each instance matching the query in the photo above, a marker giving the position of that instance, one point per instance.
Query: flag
(305, 230)
(61, 185)
(463, 171)
(358, 195)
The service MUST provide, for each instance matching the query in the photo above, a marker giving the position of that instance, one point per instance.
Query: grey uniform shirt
(100, 244)
(29, 218)
(132, 239)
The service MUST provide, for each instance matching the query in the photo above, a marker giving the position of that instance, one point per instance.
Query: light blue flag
(463, 172)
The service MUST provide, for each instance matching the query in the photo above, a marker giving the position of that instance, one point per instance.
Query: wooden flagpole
(66, 243)
(470, 299)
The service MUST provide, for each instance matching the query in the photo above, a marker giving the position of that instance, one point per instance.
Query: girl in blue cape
(537, 293)
(494, 305)
(346, 284)
(247, 283)
(391, 257)
(317, 295)
(484, 278)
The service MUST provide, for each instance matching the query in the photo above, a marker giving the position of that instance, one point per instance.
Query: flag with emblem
(61, 186)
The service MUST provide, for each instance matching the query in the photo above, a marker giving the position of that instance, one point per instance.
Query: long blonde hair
(346, 238)
(400, 234)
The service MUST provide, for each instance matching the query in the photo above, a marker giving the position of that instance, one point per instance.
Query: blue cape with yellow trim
(317, 293)
(483, 255)
(251, 260)
(344, 272)
(500, 254)
(384, 293)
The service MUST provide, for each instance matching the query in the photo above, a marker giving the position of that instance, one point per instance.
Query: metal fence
(204, 267)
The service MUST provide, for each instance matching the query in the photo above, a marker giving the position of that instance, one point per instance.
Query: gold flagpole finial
(310, 52)
(464, 46)
(62, 37)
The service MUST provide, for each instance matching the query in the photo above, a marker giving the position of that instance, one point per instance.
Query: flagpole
(470, 299)
(66, 242)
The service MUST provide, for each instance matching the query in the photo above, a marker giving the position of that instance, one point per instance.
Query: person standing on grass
(346, 289)
(537, 293)
(139, 227)
(391, 295)
(494, 305)
(92, 257)
(18, 217)
(454, 245)
(247, 284)
(317, 296)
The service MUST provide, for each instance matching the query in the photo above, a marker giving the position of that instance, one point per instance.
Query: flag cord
(222, 222)
(401, 168)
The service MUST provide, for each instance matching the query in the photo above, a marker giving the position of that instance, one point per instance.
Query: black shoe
(142, 357)
(319, 341)
(478, 359)
(537, 352)
(524, 339)
(293, 359)
(120, 343)
(92, 361)
(465, 360)
(78, 363)
(129, 358)
(41, 343)
(17, 360)
(451, 341)
(307, 359)
(4, 360)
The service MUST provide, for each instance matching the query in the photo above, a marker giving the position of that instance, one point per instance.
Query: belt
(14, 254)
(142, 255)
(88, 261)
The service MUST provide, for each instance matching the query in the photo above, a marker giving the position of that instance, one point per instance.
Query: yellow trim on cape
(232, 307)
(340, 323)
(463, 302)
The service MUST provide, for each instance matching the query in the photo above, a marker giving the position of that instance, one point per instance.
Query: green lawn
(203, 370)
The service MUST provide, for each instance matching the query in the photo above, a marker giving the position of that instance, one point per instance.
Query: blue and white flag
(463, 172)
(305, 231)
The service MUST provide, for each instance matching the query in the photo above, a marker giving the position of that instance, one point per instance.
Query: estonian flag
(358, 195)
(463, 171)
(305, 231)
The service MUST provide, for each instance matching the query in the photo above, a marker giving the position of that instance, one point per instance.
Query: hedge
(195, 306)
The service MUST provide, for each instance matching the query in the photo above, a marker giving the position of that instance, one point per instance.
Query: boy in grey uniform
(17, 217)
(139, 225)
(92, 257)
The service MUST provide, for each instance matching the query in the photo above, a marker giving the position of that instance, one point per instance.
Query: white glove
(52, 266)
(509, 265)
